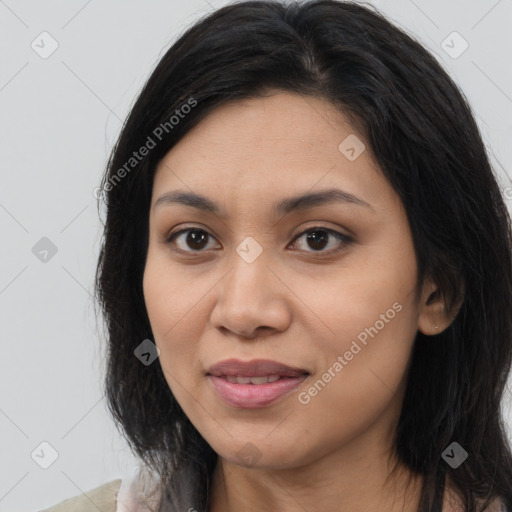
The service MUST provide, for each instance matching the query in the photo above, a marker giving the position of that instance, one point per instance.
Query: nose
(251, 299)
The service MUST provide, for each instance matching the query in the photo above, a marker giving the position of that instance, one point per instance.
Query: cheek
(372, 316)
(167, 299)
(165, 313)
(362, 371)
(168, 293)
(176, 313)
(372, 297)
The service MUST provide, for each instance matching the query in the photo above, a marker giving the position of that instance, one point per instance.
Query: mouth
(265, 379)
(253, 384)
(254, 369)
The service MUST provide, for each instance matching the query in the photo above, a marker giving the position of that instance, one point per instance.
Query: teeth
(259, 380)
(242, 380)
(252, 380)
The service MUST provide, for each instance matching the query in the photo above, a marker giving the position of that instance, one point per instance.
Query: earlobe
(432, 319)
(434, 316)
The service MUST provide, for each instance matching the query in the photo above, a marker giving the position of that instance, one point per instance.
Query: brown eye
(195, 241)
(317, 239)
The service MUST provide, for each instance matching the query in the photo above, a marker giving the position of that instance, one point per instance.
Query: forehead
(268, 146)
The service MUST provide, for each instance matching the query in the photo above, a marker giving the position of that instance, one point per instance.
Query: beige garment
(103, 498)
(136, 492)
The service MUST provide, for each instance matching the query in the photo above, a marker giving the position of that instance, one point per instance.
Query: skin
(293, 304)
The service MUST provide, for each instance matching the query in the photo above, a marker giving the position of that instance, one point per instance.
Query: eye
(196, 239)
(318, 238)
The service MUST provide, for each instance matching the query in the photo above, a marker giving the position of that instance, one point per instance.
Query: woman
(305, 274)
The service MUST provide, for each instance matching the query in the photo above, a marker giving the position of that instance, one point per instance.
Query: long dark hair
(423, 135)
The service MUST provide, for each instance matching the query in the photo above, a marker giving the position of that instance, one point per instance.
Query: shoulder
(453, 502)
(103, 498)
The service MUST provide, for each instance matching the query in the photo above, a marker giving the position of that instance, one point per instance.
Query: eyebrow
(283, 207)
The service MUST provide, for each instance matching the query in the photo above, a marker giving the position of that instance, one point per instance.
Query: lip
(254, 368)
(253, 396)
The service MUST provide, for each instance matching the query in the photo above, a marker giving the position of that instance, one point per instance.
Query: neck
(326, 484)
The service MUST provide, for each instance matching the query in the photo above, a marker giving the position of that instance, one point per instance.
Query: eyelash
(344, 239)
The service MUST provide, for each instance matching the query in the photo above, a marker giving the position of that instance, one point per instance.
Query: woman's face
(323, 286)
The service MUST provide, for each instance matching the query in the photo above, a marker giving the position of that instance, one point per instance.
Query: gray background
(59, 118)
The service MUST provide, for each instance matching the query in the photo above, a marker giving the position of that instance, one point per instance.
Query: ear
(434, 316)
